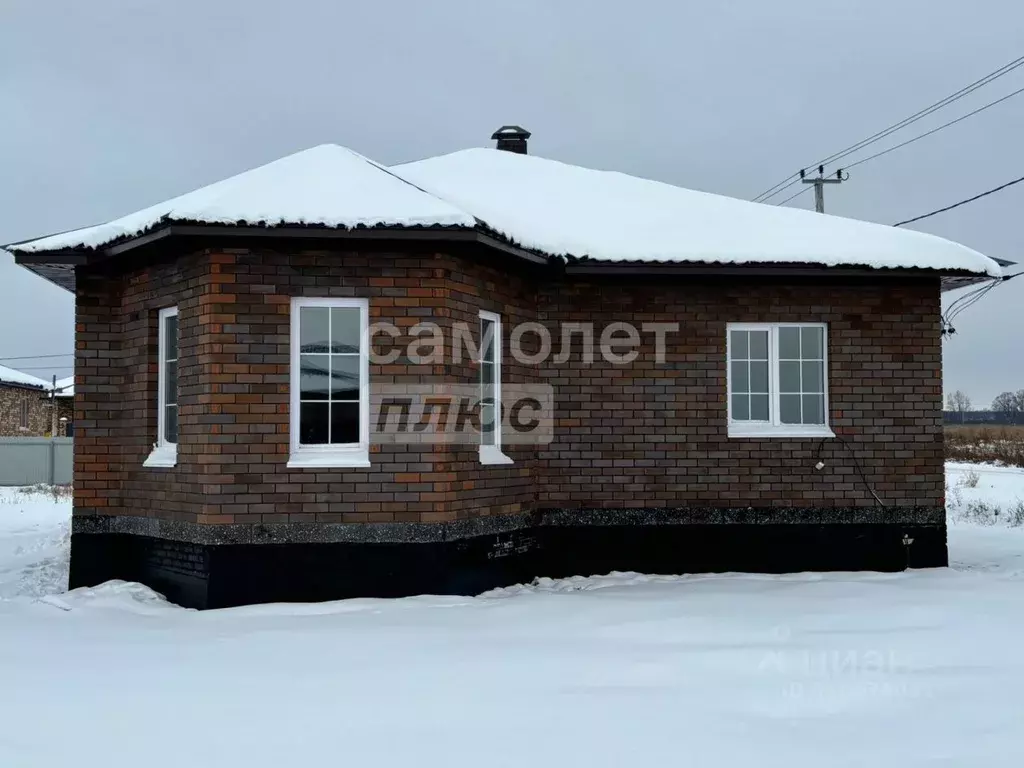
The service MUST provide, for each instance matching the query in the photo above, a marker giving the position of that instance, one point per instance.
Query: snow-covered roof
(542, 205)
(328, 185)
(567, 210)
(12, 376)
(65, 387)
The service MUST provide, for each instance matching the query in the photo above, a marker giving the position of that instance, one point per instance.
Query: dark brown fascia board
(624, 269)
(71, 258)
(308, 233)
(582, 267)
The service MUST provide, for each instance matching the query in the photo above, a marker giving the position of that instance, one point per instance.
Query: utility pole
(819, 183)
(53, 406)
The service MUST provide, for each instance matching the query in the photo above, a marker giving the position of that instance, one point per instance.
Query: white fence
(33, 460)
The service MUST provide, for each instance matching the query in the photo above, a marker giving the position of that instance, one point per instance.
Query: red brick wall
(654, 435)
(644, 435)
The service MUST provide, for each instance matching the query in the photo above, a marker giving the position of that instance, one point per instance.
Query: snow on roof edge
(13, 376)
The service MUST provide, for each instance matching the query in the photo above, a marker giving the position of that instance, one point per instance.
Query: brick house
(24, 410)
(765, 394)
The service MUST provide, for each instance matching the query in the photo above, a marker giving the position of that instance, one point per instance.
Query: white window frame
(336, 455)
(492, 454)
(773, 427)
(165, 453)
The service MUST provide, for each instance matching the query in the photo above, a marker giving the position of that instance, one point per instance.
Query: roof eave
(950, 279)
(58, 266)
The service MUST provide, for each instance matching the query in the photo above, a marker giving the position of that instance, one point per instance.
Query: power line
(793, 197)
(936, 130)
(915, 138)
(41, 368)
(37, 357)
(1003, 70)
(962, 202)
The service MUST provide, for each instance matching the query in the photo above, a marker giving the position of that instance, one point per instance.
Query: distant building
(27, 405)
(24, 410)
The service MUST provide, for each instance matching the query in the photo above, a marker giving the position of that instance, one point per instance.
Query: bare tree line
(1011, 404)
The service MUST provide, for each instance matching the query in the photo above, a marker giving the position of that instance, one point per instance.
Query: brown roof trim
(424, 234)
(58, 266)
(950, 280)
(71, 258)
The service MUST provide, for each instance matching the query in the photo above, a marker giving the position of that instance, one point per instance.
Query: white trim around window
(762, 361)
(323, 405)
(165, 449)
(489, 362)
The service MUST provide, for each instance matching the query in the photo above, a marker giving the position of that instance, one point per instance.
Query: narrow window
(330, 383)
(490, 390)
(23, 420)
(165, 451)
(777, 380)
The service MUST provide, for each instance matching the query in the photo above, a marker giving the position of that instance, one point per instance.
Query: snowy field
(914, 669)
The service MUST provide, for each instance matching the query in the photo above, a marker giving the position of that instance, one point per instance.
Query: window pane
(314, 378)
(487, 333)
(314, 327)
(171, 424)
(487, 373)
(487, 424)
(171, 383)
(344, 422)
(740, 407)
(789, 409)
(741, 376)
(789, 343)
(758, 345)
(789, 377)
(487, 392)
(759, 407)
(313, 422)
(759, 376)
(814, 409)
(811, 346)
(345, 329)
(171, 337)
(344, 377)
(738, 347)
(812, 377)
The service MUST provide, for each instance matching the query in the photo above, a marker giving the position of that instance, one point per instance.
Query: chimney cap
(511, 131)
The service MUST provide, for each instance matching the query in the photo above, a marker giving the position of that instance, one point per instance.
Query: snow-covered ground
(841, 669)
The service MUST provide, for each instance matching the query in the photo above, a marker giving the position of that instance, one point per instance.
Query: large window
(490, 390)
(777, 380)
(330, 383)
(165, 450)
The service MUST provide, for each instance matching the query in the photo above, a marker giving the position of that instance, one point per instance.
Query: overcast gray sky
(108, 106)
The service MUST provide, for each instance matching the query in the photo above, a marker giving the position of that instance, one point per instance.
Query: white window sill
(771, 431)
(162, 456)
(328, 459)
(491, 454)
